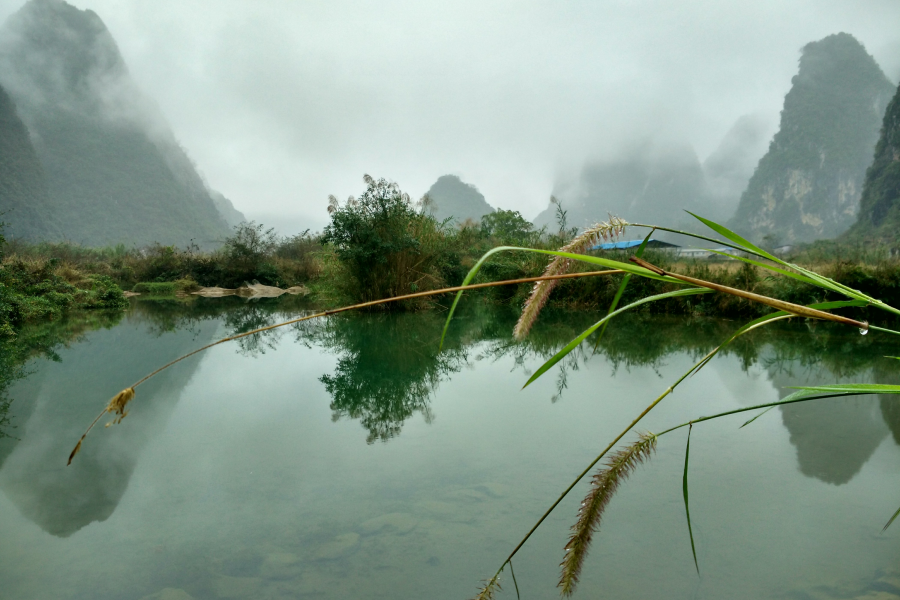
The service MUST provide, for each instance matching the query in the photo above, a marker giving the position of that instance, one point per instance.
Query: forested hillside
(114, 172)
(23, 191)
(808, 185)
(879, 208)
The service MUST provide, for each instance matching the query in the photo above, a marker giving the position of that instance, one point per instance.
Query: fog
(282, 103)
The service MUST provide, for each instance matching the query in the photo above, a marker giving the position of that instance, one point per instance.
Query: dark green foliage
(164, 288)
(879, 210)
(33, 292)
(387, 247)
(509, 228)
(808, 184)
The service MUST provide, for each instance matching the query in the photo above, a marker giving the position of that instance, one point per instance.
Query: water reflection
(389, 366)
(52, 408)
(388, 369)
(836, 437)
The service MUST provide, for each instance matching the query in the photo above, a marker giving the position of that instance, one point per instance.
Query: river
(349, 458)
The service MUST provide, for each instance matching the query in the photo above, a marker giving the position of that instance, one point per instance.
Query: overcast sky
(282, 102)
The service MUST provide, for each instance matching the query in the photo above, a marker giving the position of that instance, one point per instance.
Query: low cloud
(281, 103)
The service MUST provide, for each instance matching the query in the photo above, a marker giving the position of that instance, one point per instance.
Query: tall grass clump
(609, 477)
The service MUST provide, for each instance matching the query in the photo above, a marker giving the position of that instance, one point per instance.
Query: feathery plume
(116, 406)
(491, 586)
(603, 486)
(559, 266)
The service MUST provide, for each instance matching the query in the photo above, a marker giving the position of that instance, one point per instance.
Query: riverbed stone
(494, 490)
(281, 565)
(169, 594)
(339, 546)
(398, 523)
(237, 587)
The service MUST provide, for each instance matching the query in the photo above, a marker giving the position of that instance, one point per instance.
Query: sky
(283, 102)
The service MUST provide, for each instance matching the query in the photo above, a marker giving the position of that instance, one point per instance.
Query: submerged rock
(169, 594)
(337, 547)
(400, 523)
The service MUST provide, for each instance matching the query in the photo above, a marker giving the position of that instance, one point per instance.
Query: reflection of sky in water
(244, 486)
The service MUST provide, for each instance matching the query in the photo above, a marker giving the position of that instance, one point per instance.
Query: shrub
(387, 247)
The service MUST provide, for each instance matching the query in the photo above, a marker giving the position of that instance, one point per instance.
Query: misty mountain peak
(808, 185)
(51, 50)
(113, 169)
(456, 199)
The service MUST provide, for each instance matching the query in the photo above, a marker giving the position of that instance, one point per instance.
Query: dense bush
(386, 246)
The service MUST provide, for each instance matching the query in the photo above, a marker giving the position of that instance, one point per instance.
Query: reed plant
(622, 462)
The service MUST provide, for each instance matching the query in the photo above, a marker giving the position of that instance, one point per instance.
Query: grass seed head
(117, 405)
(605, 230)
(603, 486)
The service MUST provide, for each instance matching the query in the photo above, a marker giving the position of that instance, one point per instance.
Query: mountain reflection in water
(388, 367)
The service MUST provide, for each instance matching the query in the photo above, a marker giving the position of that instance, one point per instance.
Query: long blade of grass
(515, 583)
(803, 395)
(746, 245)
(687, 508)
(763, 265)
(621, 290)
(851, 388)
(739, 241)
(891, 520)
(580, 338)
(775, 316)
(756, 417)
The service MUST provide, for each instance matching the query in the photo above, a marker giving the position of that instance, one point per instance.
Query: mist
(282, 103)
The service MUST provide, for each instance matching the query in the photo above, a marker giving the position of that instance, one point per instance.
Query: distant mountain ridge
(113, 170)
(656, 183)
(809, 183)
(452, 198)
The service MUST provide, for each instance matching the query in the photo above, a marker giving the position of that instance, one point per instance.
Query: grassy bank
(380, 245)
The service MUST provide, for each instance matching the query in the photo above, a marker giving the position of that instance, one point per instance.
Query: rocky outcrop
(114, 171)
(809, 183)
(879, 209)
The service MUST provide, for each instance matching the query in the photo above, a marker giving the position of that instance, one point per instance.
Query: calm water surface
(347, 458)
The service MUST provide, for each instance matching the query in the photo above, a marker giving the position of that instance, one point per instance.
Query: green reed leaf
(594, 260)
(746, 245)
(684, 488)
(891, 520)
(515, 583)
(621, 290)
(763, 265)
(851, 388)
(756, 417)
(575, 342)
(741, 242)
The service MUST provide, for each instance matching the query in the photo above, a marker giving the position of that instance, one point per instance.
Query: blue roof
(628, 244)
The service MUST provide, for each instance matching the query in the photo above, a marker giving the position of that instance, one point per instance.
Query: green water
(347, 458)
